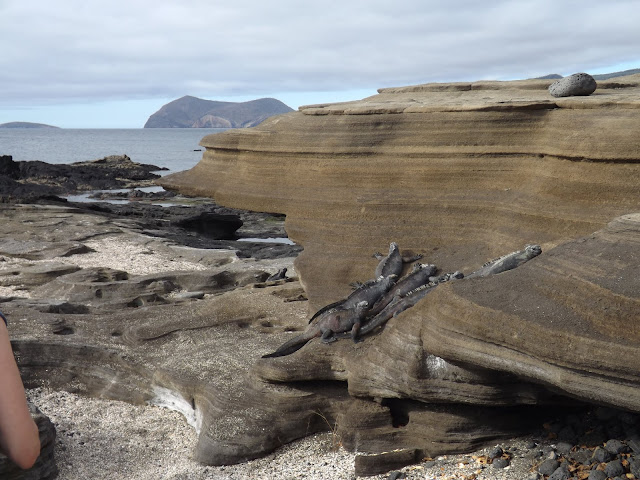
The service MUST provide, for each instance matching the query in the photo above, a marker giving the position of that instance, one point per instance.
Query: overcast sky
(85, 63)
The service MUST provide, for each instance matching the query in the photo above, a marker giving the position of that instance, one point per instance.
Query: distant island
(193, 112)
(25, 125)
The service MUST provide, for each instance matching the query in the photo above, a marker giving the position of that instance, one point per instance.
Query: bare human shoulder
(19, 438)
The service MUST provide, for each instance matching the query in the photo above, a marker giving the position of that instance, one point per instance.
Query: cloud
(74, 50)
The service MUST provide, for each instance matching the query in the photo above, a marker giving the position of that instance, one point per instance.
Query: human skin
(19, 438)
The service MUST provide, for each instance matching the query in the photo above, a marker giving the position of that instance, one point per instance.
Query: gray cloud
(76, 50)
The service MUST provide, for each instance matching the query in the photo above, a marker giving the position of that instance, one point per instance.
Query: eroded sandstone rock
(459, 172)
(582, 298)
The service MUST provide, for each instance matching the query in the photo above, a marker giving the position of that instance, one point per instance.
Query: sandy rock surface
(100, 439)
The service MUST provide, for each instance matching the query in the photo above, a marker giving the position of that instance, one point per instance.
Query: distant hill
(25, 125)
(624, 73)
(551, 76)
(602, 76)
(193, 112)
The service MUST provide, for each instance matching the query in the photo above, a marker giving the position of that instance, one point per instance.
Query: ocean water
(172, 148)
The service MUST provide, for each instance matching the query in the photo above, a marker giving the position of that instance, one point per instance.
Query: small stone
(614, 468)
(564, 448)
(396, 475)
(534, 476)
(530, 445)
(597, 475)
(614, 447)
(495, 452)
(500, 462)
(560, 473)
(581, 456)
(548, 466)
(634, 444)
(634, 466)
(600, 455)
(578, 84)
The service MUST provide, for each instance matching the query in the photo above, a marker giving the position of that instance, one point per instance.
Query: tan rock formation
(568, 319)
(459, 172)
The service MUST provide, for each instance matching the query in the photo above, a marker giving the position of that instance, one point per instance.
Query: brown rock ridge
(459, 172)
(582, 298)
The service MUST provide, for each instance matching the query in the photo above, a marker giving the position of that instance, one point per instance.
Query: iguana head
(533, 250)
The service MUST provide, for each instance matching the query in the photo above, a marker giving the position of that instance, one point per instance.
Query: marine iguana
(401, 303)
(419, 275)
(368, 292)
(507, 262)
(392, 262)
(279, 275)
(336, 320)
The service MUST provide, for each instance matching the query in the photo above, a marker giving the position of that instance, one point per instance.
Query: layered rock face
(458, 172)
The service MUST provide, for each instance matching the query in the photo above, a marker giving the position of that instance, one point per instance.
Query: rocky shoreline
(166, 306)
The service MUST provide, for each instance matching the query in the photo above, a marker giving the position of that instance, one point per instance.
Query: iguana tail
(287, 348)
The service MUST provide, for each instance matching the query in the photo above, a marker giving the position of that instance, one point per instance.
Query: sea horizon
(176, 149)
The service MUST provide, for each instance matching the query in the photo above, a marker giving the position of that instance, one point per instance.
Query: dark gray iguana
(392, 263)
(368, 292)
(331, 322)
(419, 275)
(507, 262)
(401, 303)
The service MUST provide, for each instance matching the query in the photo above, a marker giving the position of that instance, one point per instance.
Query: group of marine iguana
(376, 301)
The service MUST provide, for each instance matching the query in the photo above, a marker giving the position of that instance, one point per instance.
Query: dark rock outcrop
(192, 112)
(28, 180)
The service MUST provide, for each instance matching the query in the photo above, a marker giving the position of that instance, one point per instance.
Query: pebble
(501, 462)
(597, 475)
(560, 473)
(548, 466)
(614, 468)
(614, 447)
(601, 455)
(495, 452)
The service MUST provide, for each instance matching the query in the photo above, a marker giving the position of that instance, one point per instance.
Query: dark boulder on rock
(578, 84)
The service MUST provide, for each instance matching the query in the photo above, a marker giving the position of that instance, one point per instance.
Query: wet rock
(578, 84)
(27, 180)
